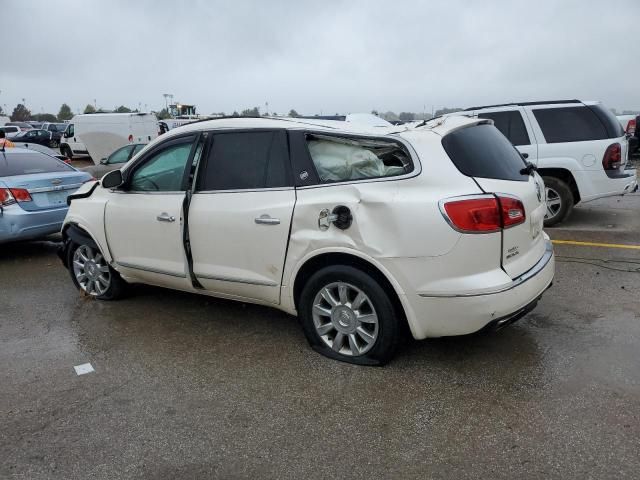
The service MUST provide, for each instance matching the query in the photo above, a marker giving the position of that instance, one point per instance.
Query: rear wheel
(346, 315)
(92, 274)
(559, 201)
(66, 151)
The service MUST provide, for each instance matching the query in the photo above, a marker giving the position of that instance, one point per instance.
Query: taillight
(5, 197)
(631, 127)
(9, 196)
(483, 214)
(20, 194)
(612, 157)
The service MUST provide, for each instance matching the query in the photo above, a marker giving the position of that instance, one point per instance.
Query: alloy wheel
(345, 319)
(91, 270)
(554, 203)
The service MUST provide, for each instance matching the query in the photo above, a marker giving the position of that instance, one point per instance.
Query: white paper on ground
(84, 368)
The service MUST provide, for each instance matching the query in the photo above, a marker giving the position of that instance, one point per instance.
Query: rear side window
(339, 159)
(246, 160)
(482, 151)
(571, 124)
(609, 120)
(29, 163)
(510, 124)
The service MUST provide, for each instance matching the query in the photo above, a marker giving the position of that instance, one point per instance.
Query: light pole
(166, 96)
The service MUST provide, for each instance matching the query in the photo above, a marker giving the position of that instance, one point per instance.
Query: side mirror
(103, 161)
(112, 179)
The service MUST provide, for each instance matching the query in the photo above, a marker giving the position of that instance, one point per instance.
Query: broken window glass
(339, 159)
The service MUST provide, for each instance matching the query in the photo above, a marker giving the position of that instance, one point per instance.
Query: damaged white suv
(358, 231)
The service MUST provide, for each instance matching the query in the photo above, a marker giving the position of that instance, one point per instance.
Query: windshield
(29, 163)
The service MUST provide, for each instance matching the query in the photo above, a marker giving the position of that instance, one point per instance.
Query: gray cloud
(331, 56)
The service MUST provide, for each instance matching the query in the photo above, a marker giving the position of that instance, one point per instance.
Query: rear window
(482, 151)
(29, 163)
(576, 124)
(511, 125)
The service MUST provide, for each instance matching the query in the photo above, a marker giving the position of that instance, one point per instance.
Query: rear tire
(559, 201)
(346, 315)
(66, 151)
(91, 273)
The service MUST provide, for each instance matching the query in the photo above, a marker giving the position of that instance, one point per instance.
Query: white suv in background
(358, 230)
(579, 149)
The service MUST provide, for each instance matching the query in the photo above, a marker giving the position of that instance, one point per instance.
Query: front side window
(570, 124)
(70, 132)
(163, 171)
(246, 160)
(339, 159)
(511, 125)
(120, 156)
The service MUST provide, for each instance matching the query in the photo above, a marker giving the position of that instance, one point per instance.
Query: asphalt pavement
(186, 386)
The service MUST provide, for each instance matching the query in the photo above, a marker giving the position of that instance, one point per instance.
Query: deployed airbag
(337, 161)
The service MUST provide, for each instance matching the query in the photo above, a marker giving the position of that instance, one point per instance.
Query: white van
(100, 134)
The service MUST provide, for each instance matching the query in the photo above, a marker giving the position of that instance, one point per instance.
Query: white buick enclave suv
(357, 230)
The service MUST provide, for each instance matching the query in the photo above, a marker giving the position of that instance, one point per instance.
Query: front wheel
(53, 144)
(91, 273)
(346, 315)
(559, 201)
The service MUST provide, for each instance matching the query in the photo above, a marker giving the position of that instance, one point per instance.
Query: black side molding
(86, 194)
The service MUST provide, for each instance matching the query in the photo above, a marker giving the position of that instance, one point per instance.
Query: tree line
(21, 113)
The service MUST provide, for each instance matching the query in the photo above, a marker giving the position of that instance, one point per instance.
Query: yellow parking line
(595, 244)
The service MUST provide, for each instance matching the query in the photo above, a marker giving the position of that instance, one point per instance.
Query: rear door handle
(267, 220)
(165, 217)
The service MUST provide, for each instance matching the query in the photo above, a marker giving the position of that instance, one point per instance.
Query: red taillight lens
(485, 214)
(20, 194)
(612, 157)
(9, 196)
(512, 211)
(5, 197)
(631, 127)
(474, 214)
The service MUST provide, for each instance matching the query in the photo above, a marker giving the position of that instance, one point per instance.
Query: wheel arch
(566, 176)
(78, 233)
(313, 263)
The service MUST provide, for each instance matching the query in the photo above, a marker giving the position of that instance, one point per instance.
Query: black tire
(556, 189)
(388, 332)
(53, 144)
(66, 151)
(117, 286)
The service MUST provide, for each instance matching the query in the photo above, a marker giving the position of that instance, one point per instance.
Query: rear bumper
(602, 186)
(461, 313)
(18, 224)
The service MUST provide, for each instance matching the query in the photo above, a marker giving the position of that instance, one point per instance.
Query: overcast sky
(317, 56)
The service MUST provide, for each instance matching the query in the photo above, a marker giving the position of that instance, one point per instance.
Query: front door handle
(165, 217)
(267, 220)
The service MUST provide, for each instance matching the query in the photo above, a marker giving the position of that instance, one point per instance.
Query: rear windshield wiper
(529, 169)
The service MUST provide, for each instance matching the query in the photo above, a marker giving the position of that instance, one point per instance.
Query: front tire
(559, 201)
(91, 273)
(346, 315)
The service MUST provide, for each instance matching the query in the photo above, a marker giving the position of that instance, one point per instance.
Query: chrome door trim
(236, 280)
(150, 270)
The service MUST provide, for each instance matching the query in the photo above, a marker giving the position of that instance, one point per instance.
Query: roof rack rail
(522, 104)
